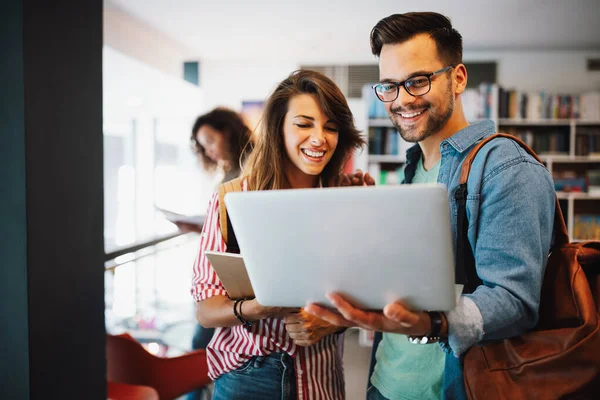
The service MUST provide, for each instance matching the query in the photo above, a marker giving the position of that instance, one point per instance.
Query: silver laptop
(375, 245)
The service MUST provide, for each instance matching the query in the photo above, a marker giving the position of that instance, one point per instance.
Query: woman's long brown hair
(264, 167)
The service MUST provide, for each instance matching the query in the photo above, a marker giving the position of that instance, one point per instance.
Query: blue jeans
(200, 340)
(374, 394)
(270, 377)
(454, 386)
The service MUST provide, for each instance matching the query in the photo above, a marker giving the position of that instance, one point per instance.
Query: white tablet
(232, 273)
(375, 245)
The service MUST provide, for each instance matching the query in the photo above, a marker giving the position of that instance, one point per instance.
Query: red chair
(122, 391)
(129, 363)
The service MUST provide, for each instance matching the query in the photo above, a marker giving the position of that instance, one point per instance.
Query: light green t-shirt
(404, 370)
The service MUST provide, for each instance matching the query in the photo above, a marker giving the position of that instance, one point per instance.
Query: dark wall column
(14, 344)
(52, 286)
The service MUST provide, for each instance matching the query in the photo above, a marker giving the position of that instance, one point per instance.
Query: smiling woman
(310, 140)
(307, 134)
(305, 116)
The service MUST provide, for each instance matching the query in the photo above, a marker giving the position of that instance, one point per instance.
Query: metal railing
(146, 248)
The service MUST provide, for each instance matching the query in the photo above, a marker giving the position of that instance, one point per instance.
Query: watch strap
(435, 328)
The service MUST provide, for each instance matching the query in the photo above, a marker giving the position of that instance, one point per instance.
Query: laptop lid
(374, 245)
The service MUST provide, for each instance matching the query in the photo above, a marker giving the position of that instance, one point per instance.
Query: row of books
(576, 184)
(386, 140)
(485, 100)
(556, 141)
(492, 101)
(586, 227)
(593, 181)
(537, 105)
(587, 141)
(548, 141)
(577, 181)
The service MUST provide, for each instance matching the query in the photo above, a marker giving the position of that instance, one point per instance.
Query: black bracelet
(238, 314)
(235, 312)
(247, 323)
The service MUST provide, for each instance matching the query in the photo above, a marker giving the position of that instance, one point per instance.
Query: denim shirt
(510, 207)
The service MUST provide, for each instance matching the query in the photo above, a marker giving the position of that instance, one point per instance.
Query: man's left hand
(395, 318)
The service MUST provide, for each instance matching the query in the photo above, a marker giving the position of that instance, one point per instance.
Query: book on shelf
(391, 142)
(590, 106)
(593, 180)
(578, 180)
(386, 141)
(488, 97)
(376, 140)
(532, 105)
(575, 184)
(513, 104)
(551, 141)
(587, 141)
(586, 227)
(533, 108)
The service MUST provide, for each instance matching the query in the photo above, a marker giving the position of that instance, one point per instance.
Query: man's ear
(460, 78)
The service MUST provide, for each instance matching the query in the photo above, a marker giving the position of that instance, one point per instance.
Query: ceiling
(331, 30)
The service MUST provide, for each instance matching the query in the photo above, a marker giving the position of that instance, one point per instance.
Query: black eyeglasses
(418, 85)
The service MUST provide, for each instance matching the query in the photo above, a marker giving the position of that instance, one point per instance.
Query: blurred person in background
(222, 141)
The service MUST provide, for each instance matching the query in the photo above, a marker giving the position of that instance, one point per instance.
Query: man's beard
(436, 119)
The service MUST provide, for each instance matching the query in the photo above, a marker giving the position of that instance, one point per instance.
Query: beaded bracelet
(238, 314)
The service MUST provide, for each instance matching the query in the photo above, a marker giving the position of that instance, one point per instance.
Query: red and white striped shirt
(319, 370)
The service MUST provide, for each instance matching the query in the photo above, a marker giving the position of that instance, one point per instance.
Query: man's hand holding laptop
(394, 318)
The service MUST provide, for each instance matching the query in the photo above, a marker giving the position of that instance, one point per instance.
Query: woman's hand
(356, 179)
(252, 311)
(305, 329)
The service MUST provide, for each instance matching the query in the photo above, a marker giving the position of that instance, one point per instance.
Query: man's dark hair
(398, 28)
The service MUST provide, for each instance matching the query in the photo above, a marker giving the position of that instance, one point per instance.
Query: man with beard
(510, 206)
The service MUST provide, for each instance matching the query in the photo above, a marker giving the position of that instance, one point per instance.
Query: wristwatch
(433, 335)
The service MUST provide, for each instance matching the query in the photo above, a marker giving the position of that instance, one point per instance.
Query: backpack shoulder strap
(466, 165)
(234, 185)
(560, 228)
(465, 264)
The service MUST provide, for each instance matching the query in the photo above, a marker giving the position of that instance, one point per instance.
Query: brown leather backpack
(560, 357)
